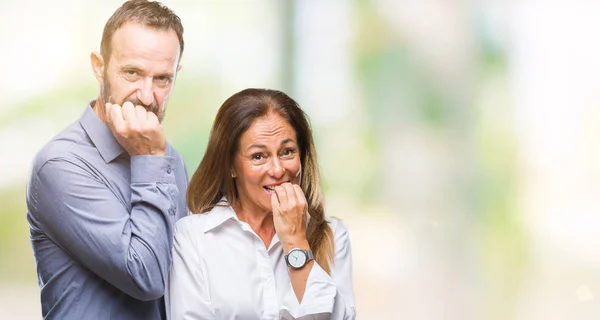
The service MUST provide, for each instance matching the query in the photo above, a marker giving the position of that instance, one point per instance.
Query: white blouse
(222, 270)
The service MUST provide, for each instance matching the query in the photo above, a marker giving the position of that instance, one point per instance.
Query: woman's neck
(261, 223)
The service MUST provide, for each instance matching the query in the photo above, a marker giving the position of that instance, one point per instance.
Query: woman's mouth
(269, 189)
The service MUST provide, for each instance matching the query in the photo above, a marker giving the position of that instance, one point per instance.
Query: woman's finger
(301, 198)
(274, 204)
(292, 198)
(282, 196)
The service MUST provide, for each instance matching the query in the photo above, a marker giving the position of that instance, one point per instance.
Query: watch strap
(309, 255)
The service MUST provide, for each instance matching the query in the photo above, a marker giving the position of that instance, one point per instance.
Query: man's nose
(145, 93)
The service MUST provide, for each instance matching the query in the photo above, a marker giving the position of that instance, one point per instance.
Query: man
(104, 194)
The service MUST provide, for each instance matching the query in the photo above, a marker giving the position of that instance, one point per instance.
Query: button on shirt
(222, 270)
(101, 224)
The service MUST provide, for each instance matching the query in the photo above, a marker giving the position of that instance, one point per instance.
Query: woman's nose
(277, 168)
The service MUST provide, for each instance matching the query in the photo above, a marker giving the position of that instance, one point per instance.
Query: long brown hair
(212, 180)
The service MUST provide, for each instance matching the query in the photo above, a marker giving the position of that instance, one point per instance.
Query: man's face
(141, 68)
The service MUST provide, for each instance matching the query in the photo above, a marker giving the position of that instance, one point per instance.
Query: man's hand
(136, 129)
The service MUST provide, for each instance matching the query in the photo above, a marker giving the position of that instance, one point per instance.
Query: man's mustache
(153, 107)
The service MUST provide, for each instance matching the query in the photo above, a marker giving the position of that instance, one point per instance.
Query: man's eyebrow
(130, 67)
(165, 74)
(133, 67)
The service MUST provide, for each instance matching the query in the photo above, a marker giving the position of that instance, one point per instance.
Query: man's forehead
(134, 40)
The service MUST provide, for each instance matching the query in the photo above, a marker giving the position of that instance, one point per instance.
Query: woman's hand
(289, 216)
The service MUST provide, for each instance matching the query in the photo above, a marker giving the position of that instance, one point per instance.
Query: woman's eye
(288, 152)
(257, 156)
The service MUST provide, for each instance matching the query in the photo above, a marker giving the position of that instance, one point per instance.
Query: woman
(260, 246)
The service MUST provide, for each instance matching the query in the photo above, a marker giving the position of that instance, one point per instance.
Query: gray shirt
(101, 224)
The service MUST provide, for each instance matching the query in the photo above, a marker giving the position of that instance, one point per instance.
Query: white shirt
(222, 270)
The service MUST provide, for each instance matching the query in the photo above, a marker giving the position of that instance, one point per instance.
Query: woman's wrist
(295, 243)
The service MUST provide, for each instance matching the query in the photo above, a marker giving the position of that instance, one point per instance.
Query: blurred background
(459, 141)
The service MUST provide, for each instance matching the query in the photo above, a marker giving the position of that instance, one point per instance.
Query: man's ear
(178, 68)
(98, 66)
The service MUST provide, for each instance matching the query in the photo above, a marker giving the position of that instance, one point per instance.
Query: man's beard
(154, 108)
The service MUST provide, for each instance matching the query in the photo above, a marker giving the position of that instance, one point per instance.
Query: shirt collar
(106, 143)
(223, 212)
(218, 215)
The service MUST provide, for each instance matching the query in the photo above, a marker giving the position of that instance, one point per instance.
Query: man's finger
(116, 116)
(152, 118)
(140, 113)
(107, 107)
(129, 112)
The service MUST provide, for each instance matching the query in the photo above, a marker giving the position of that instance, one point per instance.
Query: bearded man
(104, 194)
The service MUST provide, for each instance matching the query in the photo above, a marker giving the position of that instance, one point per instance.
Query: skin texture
(135, 84)
(268, 157)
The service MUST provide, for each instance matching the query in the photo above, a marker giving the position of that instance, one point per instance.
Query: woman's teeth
(270, 189)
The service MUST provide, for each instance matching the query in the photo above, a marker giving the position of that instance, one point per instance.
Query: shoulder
(199, 223)
(194, 230)
(63, 146)
(190, 224)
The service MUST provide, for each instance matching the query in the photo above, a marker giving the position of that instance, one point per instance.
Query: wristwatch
(298, 258)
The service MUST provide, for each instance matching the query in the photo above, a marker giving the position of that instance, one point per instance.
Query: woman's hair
(212, 180)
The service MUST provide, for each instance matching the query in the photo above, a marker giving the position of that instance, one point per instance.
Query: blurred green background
(458, 141)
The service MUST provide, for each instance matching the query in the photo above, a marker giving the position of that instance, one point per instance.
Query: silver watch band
(309, 255)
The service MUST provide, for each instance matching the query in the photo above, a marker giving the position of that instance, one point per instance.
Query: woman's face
(268, 155)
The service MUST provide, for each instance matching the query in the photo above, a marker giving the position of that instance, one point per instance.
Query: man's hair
(151, 14)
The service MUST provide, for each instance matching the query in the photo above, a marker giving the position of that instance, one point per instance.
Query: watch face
(296, 258)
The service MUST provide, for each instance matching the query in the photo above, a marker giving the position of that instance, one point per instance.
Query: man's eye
(164, 80)
(257, 156)
(131, 72)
